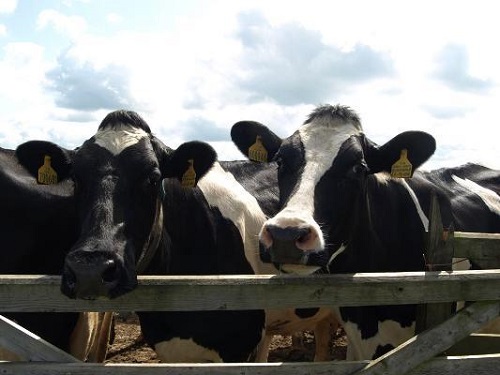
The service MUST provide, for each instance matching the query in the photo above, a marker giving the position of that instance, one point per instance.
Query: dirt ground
(128, 346)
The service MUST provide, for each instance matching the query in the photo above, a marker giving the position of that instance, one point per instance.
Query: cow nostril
(109, 273)
(303, 238)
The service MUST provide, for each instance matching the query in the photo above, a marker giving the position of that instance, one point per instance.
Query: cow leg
(298, 340)
(99, 348)
(82, 336)
(263, 348)
(90, 338)
(322, 335)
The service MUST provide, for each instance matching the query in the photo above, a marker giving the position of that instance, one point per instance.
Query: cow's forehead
(322, 141)
(119, 137)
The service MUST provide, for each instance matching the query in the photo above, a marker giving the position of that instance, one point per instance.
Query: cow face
(323, 171)
(117, 175)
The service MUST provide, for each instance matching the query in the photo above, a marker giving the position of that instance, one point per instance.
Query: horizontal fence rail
(41, 293)
(487, 364)
(483, 249)
(241, 292)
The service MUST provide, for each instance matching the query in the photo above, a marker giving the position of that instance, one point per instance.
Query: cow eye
(155, 177)
(357, 170)
(279, 163)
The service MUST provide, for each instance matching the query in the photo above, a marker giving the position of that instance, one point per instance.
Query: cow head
(323, 169)
(117, 175)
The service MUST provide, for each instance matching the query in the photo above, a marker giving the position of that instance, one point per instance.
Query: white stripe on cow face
(118, 138)
(322, 140)
(489, 197)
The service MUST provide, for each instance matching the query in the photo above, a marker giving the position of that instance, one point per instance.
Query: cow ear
(419, 147)
(195, 156)
(249, 136)
(33, 155)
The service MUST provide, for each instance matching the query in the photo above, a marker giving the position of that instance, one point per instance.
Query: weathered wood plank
(475, 344)
(476, 365)
(467, 365)
(438, 254)
(481, 248)
(28, 345)
(428, 344)
(325, 368)
(177, 293)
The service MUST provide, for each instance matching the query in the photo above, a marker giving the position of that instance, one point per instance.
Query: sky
(193, 68)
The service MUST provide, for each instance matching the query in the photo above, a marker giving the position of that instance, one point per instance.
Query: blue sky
(193, 68)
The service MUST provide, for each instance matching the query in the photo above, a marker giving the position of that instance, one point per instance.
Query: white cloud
(8, 6)
(114, 18)
(73, 26)
(3, 30)
(22, 72)
(22, 102)
(208, 69)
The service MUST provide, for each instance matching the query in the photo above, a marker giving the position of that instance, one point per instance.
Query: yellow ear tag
(46, 175)
(402, 168)
(189, 177)
(257, 151)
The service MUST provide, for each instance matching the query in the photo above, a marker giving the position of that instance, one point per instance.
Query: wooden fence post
(438, 255)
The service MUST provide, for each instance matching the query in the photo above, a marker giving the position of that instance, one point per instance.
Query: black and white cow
(342, 210)
(136, 217)
(246, 194)
(37, 227)
(474, 192)
(208, 229)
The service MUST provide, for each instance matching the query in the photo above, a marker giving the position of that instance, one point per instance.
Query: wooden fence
(419, 355)
(242, 292)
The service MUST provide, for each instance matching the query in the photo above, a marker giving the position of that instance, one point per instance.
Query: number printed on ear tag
(47, 175)
(402, 168)
(257, 151)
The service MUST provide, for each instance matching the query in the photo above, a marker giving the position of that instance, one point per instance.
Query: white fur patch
(119, 138)
(185, 351)
(389, 333)
(421, 214)
(221, 190)
(322, 142)
(489, 197)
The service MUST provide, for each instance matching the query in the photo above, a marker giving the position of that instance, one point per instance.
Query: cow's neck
(360, 246)
(153, 241)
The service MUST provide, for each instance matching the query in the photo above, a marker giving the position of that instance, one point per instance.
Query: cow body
(210, 234)
(245, 194)
(37, 227)
(341, 211)
(474, 192)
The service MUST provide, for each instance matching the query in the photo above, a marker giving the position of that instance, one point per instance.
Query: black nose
(283, 243)
(90, 274)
